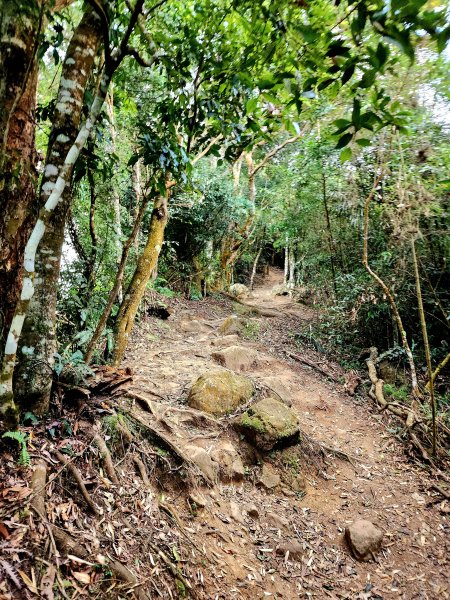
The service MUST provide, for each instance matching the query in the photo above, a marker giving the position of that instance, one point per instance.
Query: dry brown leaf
(29, 583)
(82, 577)
(4, 532)
(47, 583)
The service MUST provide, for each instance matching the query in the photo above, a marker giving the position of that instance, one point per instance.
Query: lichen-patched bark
(135, 292)
(33, 374)
(8, 409)
(20, 23)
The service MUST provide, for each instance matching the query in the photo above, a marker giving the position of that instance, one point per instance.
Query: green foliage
(21, 439)
(400, 394)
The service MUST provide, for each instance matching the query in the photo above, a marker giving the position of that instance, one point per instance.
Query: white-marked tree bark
(33, 374)
(20, 27)
(141, 276)
(8, 407)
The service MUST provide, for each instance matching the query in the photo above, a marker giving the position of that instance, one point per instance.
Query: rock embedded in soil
(363, 539)
(267, 423)
(220, 392)
(277, 521)
(269, 477)
(294, 548)
(238, 358)
(239, 290)
(200, 457)
(276, 389)
(230, 463)
(232, 325)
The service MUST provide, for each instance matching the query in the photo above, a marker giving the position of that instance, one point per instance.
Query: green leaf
(251, 105)
(346, 155)
(344, 140)
(363, 142)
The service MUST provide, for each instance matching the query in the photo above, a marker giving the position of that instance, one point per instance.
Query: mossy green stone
(220, 392)
(267, 423)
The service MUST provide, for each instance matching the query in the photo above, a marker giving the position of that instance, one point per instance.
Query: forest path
(379, 484)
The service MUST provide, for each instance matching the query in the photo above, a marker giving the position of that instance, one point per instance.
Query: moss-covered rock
(220, 392)
(232, 325)
(267, 423)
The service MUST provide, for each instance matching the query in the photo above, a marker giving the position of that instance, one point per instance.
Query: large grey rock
(267, 423)
(363, 539)
(220, 392)
(239, 290)
(240, 358)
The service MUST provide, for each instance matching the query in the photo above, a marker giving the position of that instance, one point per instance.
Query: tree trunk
(329, 230)
(114, 192)
(117, 283)
(135, 292)
(286, 261)
(33, 375)
(20, 27)
(255, 265)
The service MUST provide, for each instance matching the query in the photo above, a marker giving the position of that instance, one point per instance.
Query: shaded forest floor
(229, 540)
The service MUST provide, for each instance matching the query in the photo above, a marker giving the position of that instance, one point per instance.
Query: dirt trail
(243, 556)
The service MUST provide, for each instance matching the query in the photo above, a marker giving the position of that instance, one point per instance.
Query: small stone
(197, 499)
(238, 358)
(230, 463)
(239, 290)
(203, 461)
(232, 325)
(267, 423)
(277, 521)
(269, 477)
(294, 548)
(363, 539)
(236, 512)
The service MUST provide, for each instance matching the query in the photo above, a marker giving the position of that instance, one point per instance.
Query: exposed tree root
(264, 312)
(313, 365)
(142, 470)
(408, 414)
(38, 482)
(78, 478)
(107, 460)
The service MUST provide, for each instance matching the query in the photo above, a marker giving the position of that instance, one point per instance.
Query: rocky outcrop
(267, 423)
(274, 388)
(363, 539)
(220, 392)
(269, 477)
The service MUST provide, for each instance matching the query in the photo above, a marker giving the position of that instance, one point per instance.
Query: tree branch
(205, 150)
(277, 149)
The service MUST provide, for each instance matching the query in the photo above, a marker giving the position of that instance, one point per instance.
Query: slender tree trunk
(329, 231)
(286, 261)
(115, 195)
(90, 267)
(33, 374)
(255, 266)
(425, 343)
(136, 289)
(387, 290)
(137, 187)
(21, 23)
(117, 283)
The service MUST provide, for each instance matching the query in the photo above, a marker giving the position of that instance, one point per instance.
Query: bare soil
(220, 549)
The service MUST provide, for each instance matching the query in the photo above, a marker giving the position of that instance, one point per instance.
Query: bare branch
(275, 151)
(207, 148)
(143, 62)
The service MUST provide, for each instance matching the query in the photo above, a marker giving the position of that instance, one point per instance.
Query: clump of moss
(253, 422)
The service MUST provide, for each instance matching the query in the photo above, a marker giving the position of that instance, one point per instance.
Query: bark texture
(20, 24)
(135, 292)
(33, 374)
